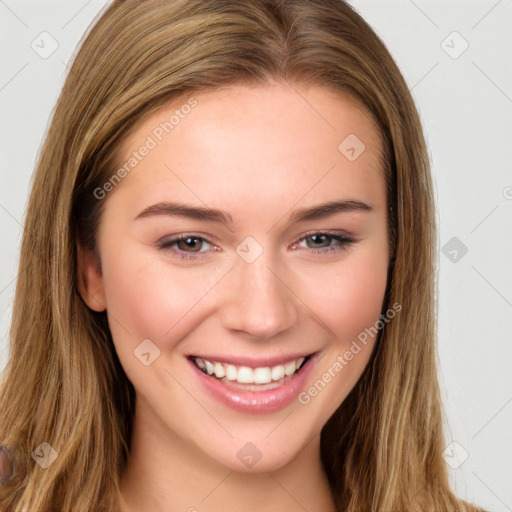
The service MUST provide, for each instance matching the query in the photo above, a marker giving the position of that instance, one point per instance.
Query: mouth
(251, 378)
(262, 386)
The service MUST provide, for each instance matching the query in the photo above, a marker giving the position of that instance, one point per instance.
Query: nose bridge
(259, 302)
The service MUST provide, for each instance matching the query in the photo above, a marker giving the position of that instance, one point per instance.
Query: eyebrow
(201, 213)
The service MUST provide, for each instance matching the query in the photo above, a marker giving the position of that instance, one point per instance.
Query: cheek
(148, 301)
(349, 297)
(358, 302)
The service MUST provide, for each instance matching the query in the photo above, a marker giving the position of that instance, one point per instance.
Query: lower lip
(256, 402)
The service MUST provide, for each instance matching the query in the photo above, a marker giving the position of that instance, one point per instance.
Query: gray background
(465, 99)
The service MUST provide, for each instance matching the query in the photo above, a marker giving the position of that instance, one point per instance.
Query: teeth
(231, 372)
(209, 367)
(219, 371)
(278, 372)
(262, 375)
(289, 368)
(246, 375)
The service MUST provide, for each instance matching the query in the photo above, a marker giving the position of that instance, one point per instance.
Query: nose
(259, 301)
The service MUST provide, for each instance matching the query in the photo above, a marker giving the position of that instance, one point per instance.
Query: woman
(226, 289)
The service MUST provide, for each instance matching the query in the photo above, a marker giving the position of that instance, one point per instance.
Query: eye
(323, 242)
(188, 246)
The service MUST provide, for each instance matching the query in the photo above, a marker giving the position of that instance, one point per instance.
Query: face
(244, 258)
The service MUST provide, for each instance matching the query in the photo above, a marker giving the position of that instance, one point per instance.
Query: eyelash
(344, 240)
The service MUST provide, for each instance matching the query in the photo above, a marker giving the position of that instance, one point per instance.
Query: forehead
(255, 142)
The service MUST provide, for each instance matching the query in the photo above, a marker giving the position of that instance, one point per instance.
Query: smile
(254, 387)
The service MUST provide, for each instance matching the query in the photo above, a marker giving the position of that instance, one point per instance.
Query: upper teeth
(247, 375)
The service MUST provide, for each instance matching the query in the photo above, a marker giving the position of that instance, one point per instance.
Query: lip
(256, 402)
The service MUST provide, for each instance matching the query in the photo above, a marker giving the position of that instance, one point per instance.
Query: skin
(258, 153)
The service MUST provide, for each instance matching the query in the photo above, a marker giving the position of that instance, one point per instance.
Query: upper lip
(252, 362)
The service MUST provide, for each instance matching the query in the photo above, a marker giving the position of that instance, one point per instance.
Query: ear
(90, 279)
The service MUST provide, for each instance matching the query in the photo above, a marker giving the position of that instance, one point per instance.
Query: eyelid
(345, 235)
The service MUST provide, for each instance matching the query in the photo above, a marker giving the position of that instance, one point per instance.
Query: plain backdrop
(456, 58)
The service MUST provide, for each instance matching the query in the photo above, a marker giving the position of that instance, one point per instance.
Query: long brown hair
(64, 385)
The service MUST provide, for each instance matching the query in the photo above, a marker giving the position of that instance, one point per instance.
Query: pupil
(316, 238)
(190, 242)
